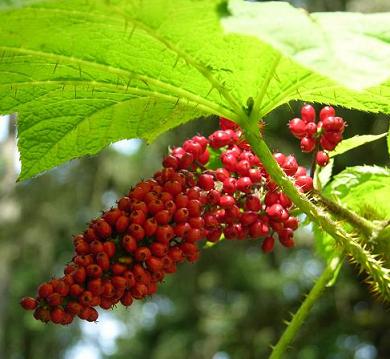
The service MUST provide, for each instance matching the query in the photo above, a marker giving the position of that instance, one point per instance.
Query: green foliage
(363, 187)
(353, 142)
(365, 190)
(350, 48)
(124, 69)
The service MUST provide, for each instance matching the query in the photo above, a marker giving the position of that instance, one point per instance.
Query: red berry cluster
(124, 254)
(327, 132)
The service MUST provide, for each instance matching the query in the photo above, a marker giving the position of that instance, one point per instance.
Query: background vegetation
(231, 304)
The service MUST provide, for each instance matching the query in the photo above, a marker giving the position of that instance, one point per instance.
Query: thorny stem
(380, 275)
(367, 227)
(300, 316)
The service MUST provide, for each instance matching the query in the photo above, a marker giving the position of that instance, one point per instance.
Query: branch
(368, 228)
(300, 316)
(367, 261)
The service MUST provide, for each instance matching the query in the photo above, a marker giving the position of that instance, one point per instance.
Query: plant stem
(300, 316)
(370, 263)
(366, 226)
(314, 159)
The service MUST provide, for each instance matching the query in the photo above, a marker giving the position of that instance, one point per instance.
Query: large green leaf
(84, 74)
(351, 48)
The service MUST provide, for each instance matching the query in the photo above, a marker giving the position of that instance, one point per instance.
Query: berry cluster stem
(380, 275)
(314, 161)
(300, 316)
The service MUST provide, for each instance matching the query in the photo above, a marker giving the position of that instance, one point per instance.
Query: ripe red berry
(103, 229)
(297, 127)
(290, 165)
(280, 158)
(226, 124)
(142, 254)
(253, 203)
(268, 244)
(322, 158)
(221, 174)
(308, 113)
(121, 224)
(308, 144)
(326, 144)
(45, 290)
(229, 185)
(226, 201)
(206, 182)
(29, 303)
(244, 184)
(305, 183)
(327, 111)
(311, 129)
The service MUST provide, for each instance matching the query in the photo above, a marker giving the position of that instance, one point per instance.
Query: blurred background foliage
(229, 305)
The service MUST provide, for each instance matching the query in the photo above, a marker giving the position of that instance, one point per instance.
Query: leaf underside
(82, 75)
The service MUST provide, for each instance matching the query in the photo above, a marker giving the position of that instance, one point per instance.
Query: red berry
(206, 182)
(226, 124)
(45, 290)
(124, 204)
(109, 248)
(193, 147)
(322, 158)
(226, 201)
(150, 226)
(29, 303)
(308, 144)
(308, 113)
(290, 165)
(221, 174)
(57, 315)
(244, 184)
(229, 185)
(142, 254)
(326, 144)
(305, 183)
(243, 167)
(112, 216)
(297, 127)
(136, 231)
(103, 229)
(253, 203)
(327, 111)
(268, 244)
(164, 233)
(255, 175)
(311, 129)
(163, 217)
(171, 161)
(122, 223)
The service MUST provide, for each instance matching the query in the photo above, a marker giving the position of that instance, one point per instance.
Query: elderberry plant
(82, 75)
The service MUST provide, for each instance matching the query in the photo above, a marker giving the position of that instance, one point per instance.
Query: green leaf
(363, 186)
(351, 48)
(365, 190)
(82, 75)
(354, 142)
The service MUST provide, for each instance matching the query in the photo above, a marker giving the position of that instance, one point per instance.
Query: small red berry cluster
(124, 254)
(327, 132)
